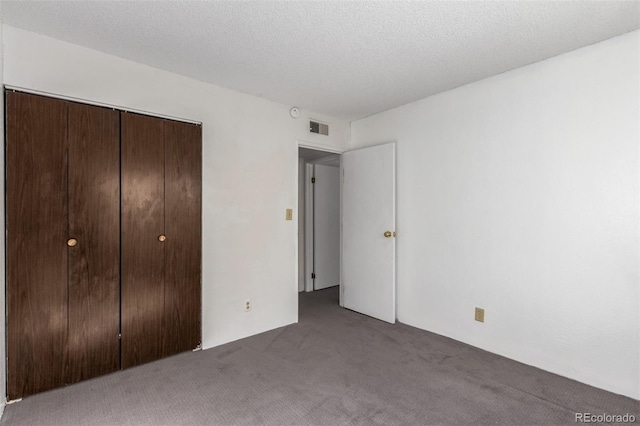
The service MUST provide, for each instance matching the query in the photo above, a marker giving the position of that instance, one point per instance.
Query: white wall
(250, 158)
(519, 194)
(3, 352)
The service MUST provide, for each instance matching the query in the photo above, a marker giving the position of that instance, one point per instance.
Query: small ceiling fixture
(294, 112)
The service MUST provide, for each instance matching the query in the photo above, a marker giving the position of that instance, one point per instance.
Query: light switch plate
(289, 215)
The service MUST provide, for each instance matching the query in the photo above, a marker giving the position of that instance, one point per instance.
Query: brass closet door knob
(387, 234)
(71, 242)
(162, 238)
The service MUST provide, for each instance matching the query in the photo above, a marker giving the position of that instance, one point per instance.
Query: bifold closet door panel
(36, 199)
(142, 180)
(94, 222)
(183, 187)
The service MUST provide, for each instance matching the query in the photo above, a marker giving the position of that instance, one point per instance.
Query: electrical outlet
(480, 314)
(289, 214)
(247, 305)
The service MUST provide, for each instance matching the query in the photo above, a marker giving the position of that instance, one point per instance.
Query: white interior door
(326, 226)
(368, 231)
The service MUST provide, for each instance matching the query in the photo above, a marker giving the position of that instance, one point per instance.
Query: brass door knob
(71, 242)
(162, 238)
(387, 234)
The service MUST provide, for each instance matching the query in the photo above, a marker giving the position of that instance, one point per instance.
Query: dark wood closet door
(142, 177)
(94, 221)
(36, 154)
(182, 294)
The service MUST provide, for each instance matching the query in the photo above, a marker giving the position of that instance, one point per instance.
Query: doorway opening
(318, 220)
(359, 239)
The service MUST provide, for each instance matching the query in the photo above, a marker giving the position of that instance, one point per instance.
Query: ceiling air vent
(319, 128)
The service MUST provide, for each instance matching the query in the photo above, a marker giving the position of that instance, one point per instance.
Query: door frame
(309, 210)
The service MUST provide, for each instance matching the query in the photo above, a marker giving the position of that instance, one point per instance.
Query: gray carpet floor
(335, 367)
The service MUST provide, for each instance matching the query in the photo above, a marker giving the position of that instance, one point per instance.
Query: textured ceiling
(343, 59)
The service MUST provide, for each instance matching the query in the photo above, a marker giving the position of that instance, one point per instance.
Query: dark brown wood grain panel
(36, 202)
(183, 188)
(94, 220)
(142, 273)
